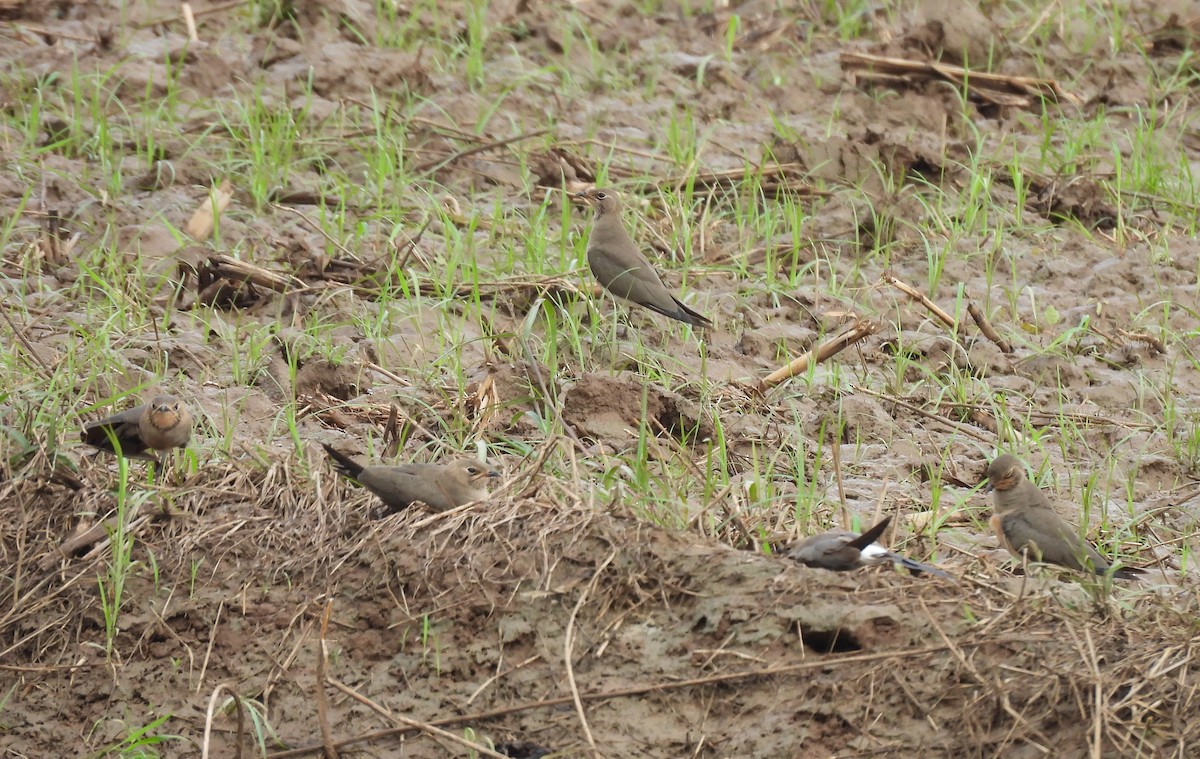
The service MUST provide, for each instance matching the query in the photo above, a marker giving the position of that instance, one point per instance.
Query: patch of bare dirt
(493, 617)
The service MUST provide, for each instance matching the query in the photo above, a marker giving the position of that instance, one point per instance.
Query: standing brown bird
(160, 425)
(1025, 522)
(621, 268)
(439, 486)
(842, 551)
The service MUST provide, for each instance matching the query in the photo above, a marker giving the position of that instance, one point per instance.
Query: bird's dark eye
(472, 470)
(601, 195)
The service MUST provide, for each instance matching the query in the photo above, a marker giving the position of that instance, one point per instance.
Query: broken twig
(860, 330)
(986, 327)
(921, 298)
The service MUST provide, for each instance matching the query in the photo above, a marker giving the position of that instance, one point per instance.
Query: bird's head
(473, 473)
(165, 411)
(603, 201)
(1005, 472)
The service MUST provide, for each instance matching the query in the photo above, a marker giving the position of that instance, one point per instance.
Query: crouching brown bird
(158, 426)
(1026, 523)
(621, 268)
(439, 486)
(843, 551)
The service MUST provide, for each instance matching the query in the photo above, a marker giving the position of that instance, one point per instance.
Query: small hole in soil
(836, 641)
(522, 750)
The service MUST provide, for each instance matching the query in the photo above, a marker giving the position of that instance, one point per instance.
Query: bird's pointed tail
(343, 463)
(916, 566)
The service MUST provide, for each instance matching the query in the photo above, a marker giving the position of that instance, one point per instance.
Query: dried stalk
(921, 298)
(861, 329)
(986, 327)
(996, 88)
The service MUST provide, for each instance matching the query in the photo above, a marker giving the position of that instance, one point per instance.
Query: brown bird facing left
(439, 486)
(1027, 524)
(843, 551)
(160, 425)
(621, 268)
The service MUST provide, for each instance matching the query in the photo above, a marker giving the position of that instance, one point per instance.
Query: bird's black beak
(493, 473)
(987, 486)
(581, 198)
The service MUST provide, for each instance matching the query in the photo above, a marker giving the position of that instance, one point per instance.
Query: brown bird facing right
(1026, 524)
(160, 425)
(439, 486)
(842, 551)
(621, 268)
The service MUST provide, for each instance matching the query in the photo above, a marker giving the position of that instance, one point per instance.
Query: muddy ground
(596, 606)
